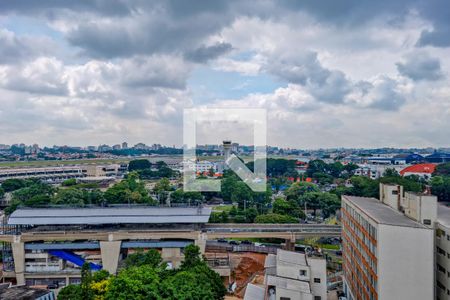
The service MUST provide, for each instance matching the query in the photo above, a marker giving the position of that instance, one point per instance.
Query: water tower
(226, 151)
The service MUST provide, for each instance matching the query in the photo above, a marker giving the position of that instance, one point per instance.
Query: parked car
(246, 242)
(222, 241)
(233, 242)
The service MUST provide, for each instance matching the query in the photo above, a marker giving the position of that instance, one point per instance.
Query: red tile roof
(419, 168)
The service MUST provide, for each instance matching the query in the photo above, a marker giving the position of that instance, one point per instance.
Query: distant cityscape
(22, 151)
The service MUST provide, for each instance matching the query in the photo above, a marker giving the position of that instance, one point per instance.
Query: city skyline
(352, 75)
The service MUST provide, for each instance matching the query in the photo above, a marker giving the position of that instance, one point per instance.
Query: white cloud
(347, 74)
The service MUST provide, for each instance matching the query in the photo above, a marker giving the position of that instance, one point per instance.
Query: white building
(388, 254)
(376, 171)
(293, 276)
(51, 174)
(200, 166)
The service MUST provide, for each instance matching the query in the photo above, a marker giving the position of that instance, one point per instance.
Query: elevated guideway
(283, 231)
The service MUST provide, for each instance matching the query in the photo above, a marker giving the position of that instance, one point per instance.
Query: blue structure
(409, 158)
(73, 258)
(438, 157)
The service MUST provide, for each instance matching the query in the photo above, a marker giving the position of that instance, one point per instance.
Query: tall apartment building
(443, 253)
(388, 246)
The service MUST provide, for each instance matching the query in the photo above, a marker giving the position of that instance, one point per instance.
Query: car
(222, 241)
(233, 242)
(53, 286)
(246, 242)
(339, 252)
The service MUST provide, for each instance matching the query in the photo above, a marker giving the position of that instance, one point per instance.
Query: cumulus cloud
(15, 48)
(325, 85)
(420, 66)
(326, 72)
(204, 53)
(42, 76)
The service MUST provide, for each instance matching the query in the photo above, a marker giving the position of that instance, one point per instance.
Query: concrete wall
(18, 251)
(318, 270)
(110, 252)
(293, 295)
(420, 207)
(391, 195)
(405, 263)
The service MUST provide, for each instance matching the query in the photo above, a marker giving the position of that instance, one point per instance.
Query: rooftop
(290, 257)
(382, 213)
(419, 168)
(254, 292)
(109, 215)
(22, 292)
(289, 284)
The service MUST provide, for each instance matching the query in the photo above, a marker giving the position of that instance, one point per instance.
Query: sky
(350, 73)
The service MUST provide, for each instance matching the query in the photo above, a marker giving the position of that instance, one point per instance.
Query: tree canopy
(145, 276)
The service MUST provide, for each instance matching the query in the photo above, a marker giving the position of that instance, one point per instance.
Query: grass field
(52, 163)
(220, 208)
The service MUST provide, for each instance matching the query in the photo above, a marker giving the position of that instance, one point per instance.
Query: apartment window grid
(359, 245)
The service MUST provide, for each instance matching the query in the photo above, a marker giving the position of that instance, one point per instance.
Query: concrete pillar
(18, 250)
(201, 242)
(110, 252)
(290, 243)
(172, 255)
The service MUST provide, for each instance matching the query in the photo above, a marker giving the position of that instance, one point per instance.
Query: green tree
(151, 258)
(94, 196)
(162, 188)
(442, 170)
(327, 202)
(440, 186)
(129, 190)
(364, 187)
(70, 292)
(242, 194)
(34, 189)
(2, 192)
(38, 200)
(69, 182)
(298, 189)
(137, 283)
(390, 172)
(186, 285)
(410, 184)
(86, 280)
(316, 166)
(227, 186)
(289, 208)
(10, 185)
(163, 185)
(69, 196)
(139, 164)
(192, 257)
(275, 219)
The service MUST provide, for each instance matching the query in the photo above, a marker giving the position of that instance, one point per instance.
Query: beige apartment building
(388, 245)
